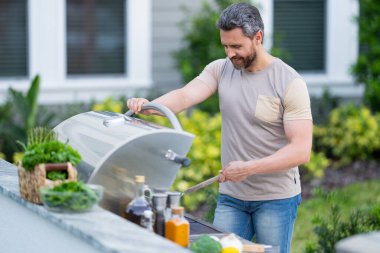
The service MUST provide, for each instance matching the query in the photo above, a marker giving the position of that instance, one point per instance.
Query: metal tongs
(201, 185)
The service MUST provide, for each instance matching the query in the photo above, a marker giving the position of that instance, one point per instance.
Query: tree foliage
(367, 67)
(201, 44)
(201, 39)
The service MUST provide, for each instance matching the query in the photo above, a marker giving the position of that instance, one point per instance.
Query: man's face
(239, 48)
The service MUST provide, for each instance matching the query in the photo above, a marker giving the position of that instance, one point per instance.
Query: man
(266, 129)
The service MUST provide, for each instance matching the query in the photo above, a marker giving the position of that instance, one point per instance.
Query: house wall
(341, 45)
(47, 56)
(166, 38)
(153, 34)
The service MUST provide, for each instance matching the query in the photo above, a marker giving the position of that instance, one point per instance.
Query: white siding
(166, 38)
(153, 34)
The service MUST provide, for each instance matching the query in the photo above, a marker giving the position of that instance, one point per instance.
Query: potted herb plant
(46, 162)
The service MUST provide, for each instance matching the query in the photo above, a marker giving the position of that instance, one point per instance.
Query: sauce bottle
(159, 205)
(177, 228)
(135, 209)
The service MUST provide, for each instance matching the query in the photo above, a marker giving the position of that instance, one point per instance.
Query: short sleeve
(211, 74)
(297, 101)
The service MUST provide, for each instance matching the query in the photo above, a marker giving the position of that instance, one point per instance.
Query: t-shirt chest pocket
(267, 108)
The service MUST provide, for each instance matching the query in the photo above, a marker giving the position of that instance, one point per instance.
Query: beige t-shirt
(254, 107)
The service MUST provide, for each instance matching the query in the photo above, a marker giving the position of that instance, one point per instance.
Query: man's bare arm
(299, 134)
(177, 100)
(181, 99)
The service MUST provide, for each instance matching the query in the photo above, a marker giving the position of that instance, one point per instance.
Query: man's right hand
(135, 104)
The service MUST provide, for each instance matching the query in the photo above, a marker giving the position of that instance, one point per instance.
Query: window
(299, 32)
(95, 35)
(84, 50)
(14, 38)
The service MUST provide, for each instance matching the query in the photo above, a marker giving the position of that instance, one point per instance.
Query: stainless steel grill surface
(116, 147)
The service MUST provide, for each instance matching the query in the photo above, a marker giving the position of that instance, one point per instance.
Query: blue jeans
(271, 221)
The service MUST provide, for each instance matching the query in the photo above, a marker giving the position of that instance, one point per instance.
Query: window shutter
(13, 38)
(299, 29)
(95, 37)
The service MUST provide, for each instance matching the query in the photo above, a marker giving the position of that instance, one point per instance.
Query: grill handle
(162, 109)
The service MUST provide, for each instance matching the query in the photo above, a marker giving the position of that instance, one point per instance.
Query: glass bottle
(177, 228)
(159, 205)
(147, 220)
(173, 200)
(135, 209)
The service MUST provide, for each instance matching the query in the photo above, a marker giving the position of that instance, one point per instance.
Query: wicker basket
(31, 181)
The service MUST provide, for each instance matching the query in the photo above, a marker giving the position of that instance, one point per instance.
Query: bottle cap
(173, 200)
(159, 201)
(140, 179)
(177, 210)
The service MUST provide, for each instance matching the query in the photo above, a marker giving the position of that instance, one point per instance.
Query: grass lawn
(358, 195)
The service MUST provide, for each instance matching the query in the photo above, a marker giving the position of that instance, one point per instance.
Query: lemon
(231, 241)
(230, 250)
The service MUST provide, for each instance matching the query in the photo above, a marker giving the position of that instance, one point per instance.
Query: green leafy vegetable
(56, 175)
(40, 135)
(205, 244)
(49, 152)
(70, 196)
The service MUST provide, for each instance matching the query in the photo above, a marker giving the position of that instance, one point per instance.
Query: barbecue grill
(117, 147)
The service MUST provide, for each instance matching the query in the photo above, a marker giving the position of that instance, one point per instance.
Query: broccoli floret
(205, 244)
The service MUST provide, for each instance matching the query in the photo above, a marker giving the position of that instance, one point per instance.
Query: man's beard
(246, 61)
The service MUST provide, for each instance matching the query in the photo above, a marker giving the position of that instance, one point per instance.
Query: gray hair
(241, 15)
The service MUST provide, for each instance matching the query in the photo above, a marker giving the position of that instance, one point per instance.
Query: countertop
(103, 230)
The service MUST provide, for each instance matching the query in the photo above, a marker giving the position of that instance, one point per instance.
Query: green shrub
(334, 228)
(319, 131)
(322, 106)
(315, 168)
(109, 104)
(351, 134)
(18, 116)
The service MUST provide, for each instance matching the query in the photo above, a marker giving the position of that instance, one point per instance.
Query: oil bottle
(135, 209)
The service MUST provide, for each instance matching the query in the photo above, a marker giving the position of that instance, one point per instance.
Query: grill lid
(117, 147)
